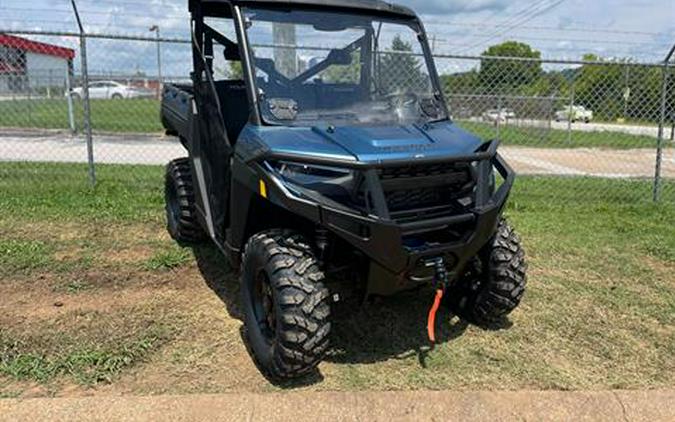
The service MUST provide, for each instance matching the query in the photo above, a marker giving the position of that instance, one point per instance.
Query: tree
(400, 70)
(496, 73)
(350, 74)
(236, 71)
(461, 83)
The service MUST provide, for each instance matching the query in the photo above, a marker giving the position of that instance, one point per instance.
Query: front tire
(494, 284)
(285, 304)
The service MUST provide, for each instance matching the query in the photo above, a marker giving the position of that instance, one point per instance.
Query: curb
(657, 405)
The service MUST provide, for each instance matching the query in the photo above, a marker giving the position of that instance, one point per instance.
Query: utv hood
(369, 145)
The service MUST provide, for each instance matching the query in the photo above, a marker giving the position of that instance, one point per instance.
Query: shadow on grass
(219, 277)
(385, 328)
(389, 328)
(395, 328)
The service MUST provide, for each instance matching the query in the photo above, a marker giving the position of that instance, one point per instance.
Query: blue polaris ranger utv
(323, 163)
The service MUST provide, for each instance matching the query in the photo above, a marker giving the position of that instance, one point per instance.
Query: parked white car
(111, 90)
(501, 115)
(574, 114)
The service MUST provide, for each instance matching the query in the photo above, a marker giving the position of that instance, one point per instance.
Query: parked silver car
(111, 90)
(501, 115)
(575, 114)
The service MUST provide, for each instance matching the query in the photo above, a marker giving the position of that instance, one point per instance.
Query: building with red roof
(28, 66)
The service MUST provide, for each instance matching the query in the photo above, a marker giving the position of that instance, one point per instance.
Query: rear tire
(117, 97)
(179, 196)
(494, 283)
(285, 304)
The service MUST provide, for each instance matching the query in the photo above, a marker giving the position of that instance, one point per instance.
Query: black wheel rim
(263, 306)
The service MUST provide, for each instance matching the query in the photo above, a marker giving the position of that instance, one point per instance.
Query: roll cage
(206, 37)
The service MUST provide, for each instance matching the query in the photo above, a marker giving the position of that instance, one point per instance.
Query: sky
(643, 30)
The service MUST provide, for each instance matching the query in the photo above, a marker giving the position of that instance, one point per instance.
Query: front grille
(404, 199)
(426, 191)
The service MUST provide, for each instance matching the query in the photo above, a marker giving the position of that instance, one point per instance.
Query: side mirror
(266, 65)
(340, 57)
(232, 54)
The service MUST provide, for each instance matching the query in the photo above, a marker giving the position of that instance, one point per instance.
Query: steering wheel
(404, 104)
(402, 99)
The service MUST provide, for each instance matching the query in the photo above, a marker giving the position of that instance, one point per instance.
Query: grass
(169, 259)
(142, 116)
(62, 193)
(556, 138)
(87, 350)
(141, 315)
(19, 255)
(133, 115)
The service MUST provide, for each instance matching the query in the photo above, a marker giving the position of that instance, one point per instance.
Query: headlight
(333, 182)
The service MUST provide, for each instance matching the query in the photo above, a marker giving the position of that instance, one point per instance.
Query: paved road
(652, 406)
(139, 149)
(630, 129)
(108, 149)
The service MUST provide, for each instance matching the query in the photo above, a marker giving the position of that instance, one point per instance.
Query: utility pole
(433, 43)
(285, 53)
(155, 29)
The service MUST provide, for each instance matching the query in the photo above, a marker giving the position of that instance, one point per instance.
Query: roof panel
(36, 47)
(376, 6)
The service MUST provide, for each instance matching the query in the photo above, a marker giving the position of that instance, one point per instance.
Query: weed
(169, 258)
(18, 255)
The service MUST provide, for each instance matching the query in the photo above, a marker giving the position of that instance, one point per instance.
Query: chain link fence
(607, 124)
(585, 119)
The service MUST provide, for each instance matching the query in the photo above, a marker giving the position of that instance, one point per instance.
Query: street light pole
(155, 29)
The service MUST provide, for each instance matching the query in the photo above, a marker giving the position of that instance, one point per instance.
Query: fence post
(87, 105)
(659, 144)
(569, 113)
(30, 104)
(499, 116)
(69, 97)
(626, 93)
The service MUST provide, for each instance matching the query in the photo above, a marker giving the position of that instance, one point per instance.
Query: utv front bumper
(400, 243)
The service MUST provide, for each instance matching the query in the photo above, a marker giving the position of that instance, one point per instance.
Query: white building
(31, 67)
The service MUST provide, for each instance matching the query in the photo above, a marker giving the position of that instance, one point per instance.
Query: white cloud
(134, 17)
(455, 6)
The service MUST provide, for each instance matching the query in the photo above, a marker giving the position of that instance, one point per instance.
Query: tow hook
(440, 285)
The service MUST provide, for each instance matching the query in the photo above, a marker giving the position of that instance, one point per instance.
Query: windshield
(319, 68)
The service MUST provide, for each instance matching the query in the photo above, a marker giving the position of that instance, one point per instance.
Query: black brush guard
(397, 241)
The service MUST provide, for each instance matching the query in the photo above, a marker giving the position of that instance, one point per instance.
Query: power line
(542, 28)
(573, 40)
(491, 14)
(517, 15)
(530, 14)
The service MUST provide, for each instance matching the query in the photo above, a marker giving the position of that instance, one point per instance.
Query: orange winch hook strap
(431, 321)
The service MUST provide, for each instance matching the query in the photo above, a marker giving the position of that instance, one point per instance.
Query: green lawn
(94, 293)
(142, 116)
(136, 115)
(556, 138)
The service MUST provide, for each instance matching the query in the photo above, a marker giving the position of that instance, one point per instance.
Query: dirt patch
(103, 291)
(588, 328)
(132, 254)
